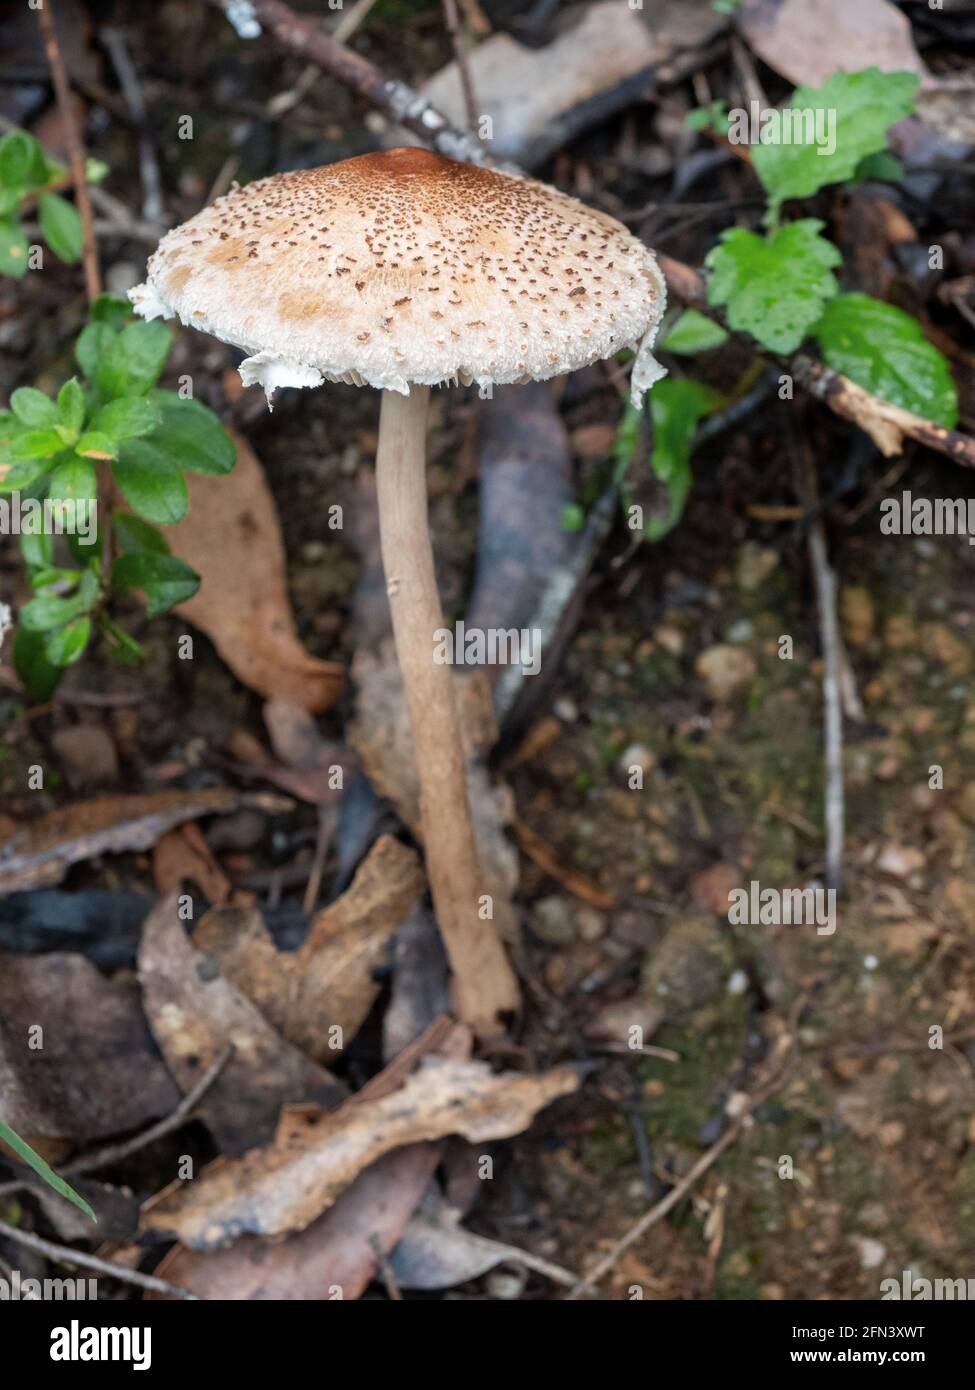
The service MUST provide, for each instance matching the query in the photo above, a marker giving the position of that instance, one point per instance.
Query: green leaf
(71, 406)
(48, 611)
(192, 437)
(65, 645)
(43, 1170)
(676, 406)
(885, 351)
(150, 483)
(33, 409)
(37, 444)
(73, 481)
(36, 547)
(95, 445)
(132, 533)
(134, 360)
(16, 158)
(110, 309)
(164, 579)
(573, 517)
(693, 332)
(127, 418)
(883, 167)
(33, 667)
(13, 249)
(23, 474)
(858, 108)
(773, 287)
(61, 226)
(93, 343)
(121, 647)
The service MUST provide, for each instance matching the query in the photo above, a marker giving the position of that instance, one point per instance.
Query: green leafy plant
(114, 417)
(781, 286)
(33, 1160)
(26, 174)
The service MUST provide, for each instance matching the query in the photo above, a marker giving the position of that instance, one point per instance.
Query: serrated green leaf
(884, 350)
(65, 645)
(128, 417)
(93, 343)
(164, 579)
(95, 445)
(676, 406)
(192, 437)
(13, 249)
(773, 287)
(134, 360)
(132, 533)
(61, 226)
(150, 483)
(693, 332)
(32, 666)
(33, 1160)
(33, 409)
(858, 109)
(71, 406)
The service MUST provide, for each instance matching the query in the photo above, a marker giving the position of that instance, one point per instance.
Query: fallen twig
(397, 99)
(829, 634)
(65, 1254)
(76, 154)
(463, 66)
(697, 1170)
(111, 1154)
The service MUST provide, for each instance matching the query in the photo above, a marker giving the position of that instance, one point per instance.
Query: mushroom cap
(405, 266)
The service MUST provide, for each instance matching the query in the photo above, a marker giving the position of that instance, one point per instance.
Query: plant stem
(484, 984)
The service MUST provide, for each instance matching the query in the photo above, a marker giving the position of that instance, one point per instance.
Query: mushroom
(403, 270)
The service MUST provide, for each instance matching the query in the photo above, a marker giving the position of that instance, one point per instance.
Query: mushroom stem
(483, 982)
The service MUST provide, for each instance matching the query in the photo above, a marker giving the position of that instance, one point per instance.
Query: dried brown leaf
(328, 982)
(194, 1012)
(231, 537)
(91, 1070)
(287, 1185)
(39, 854)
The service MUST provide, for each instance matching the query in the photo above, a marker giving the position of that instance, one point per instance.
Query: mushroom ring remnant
(406, 267)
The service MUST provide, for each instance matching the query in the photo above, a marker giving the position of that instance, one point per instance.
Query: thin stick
(64, 1254)
(829, 634)
(385, 1269)
(399, 101)
(697, 1170)
(152, 200)
(463, 65)
(76, 154)
(113, 1153)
